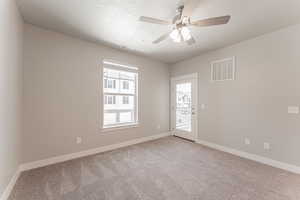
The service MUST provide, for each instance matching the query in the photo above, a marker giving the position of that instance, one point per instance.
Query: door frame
(193, 76)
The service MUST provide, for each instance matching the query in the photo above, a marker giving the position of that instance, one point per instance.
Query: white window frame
(121, 67)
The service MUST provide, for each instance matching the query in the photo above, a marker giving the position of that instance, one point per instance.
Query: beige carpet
(168, 168)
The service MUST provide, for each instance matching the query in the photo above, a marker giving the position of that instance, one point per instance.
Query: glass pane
(118, 109)
(110, 118)
(184, 107)
(116, 81)
(118, 102)
(119, 97)
(126, 117)
(115, 117)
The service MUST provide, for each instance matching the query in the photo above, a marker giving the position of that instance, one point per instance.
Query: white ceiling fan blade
(212, 21)
(189, 7)
(154, 21)
(161, 38)
(191, 41)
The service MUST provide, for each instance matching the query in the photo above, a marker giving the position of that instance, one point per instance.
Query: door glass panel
(184, 106)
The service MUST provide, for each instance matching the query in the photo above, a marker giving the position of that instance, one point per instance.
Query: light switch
(293, 109)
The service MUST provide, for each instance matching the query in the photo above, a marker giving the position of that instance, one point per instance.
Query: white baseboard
(58, 159)
(10, 185)
(63, 158)
(254, 157)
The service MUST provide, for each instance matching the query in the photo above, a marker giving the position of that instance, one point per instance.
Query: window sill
(117, 128)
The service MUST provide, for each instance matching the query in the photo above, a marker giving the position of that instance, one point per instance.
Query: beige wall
(255, 105)
(62, 99)
(10, 90)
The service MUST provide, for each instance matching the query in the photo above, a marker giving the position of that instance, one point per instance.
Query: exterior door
(184, 106)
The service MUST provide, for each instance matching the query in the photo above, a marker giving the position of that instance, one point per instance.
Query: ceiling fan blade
(154, 21)
(191, 41)
(161, 38)
(212, 21)
(189, 7)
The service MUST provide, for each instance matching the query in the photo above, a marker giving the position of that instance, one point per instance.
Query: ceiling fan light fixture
(182, 21)
(186, 34)
(175, 35)
(186, 20)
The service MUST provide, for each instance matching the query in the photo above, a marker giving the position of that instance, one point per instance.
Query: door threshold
(184, 138)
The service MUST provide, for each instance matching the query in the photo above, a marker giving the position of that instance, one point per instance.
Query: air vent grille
(223, 70)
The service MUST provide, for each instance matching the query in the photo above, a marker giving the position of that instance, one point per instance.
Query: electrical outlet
(247, 141)
(267, 146)
(78, 140)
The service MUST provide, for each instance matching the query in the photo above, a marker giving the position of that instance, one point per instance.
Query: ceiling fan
(181, 21)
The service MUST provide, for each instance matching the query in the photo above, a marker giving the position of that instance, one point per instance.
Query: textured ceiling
(115, 22)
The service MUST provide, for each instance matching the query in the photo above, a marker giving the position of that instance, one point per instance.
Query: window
(109, 83)
(109, 99)
(125, 85)
(125, 99)
(120, 95)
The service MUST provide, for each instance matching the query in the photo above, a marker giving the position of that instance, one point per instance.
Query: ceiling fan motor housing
(180, 9)
(179, 19)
